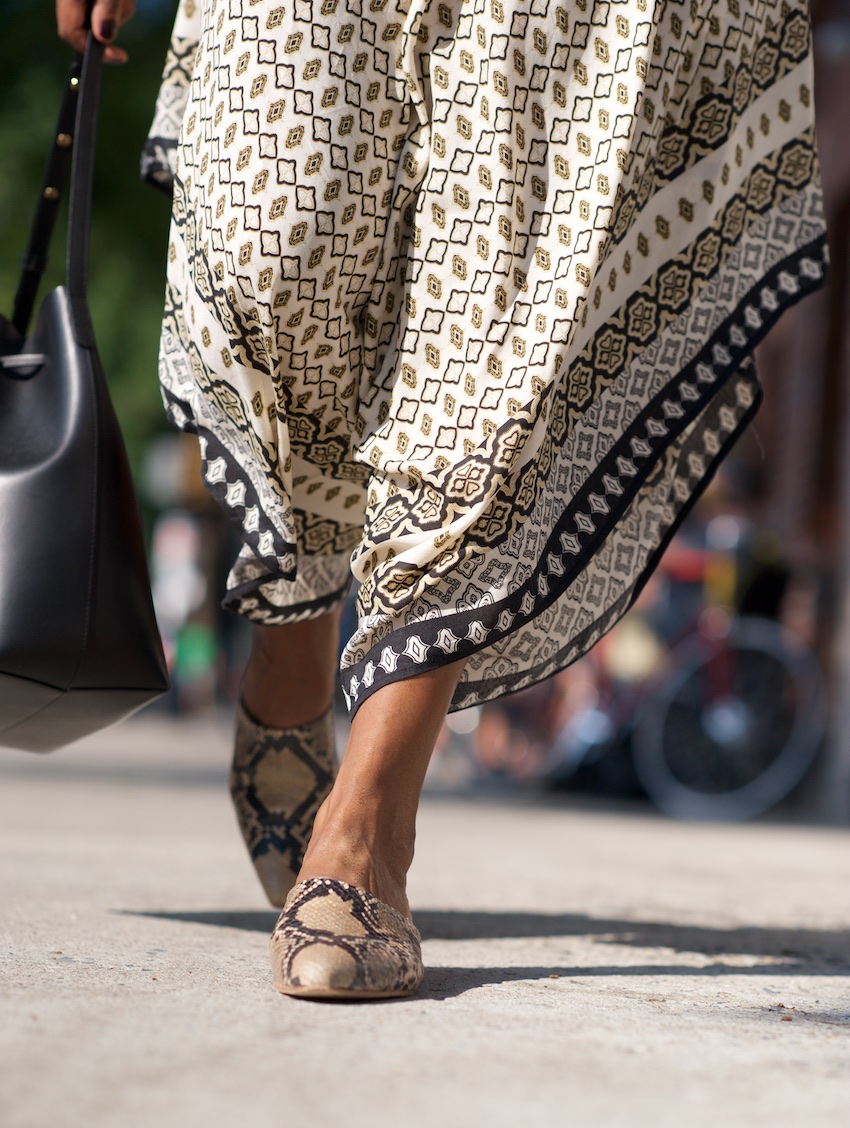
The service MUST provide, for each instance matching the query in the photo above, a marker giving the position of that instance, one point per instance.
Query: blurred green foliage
(130, 219)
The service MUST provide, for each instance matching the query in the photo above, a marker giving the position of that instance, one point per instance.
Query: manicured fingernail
(107, 30)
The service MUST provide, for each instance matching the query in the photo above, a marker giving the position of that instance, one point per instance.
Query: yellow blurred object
(634, 651)
(721, 579)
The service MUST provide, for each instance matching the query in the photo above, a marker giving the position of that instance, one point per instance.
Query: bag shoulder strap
(77, 118)
(34, 260)
(82, 172)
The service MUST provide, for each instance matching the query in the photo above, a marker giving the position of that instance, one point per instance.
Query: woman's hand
(106, 18)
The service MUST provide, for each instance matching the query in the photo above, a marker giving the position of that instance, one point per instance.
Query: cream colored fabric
(467, 291)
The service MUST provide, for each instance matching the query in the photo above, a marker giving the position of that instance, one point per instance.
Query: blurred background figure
(179, 592)
(190, 545)
(701, 697)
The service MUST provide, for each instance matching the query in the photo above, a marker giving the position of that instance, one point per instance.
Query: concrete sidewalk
(585, 967)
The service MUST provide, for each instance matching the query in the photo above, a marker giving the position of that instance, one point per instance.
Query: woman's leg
(291, 672)
(346, 930)
(364, 832)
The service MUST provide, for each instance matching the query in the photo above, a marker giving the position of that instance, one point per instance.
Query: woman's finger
(106, 18)
(70, 22)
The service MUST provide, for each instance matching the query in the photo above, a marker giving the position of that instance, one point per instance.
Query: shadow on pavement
(796, 951)
(447, 982)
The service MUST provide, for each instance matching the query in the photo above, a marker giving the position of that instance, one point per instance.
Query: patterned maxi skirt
(462, 295)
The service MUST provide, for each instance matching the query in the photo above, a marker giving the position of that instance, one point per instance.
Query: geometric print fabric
(461, 297)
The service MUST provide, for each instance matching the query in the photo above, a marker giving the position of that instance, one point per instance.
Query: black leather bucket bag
(79, 644)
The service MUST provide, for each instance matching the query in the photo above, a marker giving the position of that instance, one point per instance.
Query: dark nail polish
(107, 30)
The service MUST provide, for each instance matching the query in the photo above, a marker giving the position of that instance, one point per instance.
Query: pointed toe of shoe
(322, 967)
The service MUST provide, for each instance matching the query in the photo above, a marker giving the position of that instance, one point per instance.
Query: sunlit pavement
(586, 966)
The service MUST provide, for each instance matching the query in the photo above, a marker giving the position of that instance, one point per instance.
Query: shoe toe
(322, 966)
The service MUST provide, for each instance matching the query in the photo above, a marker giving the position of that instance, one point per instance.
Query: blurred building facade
(802, 435)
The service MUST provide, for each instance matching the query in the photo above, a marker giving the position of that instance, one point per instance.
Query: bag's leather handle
(77, 122)
(79, 213)
(34, 260)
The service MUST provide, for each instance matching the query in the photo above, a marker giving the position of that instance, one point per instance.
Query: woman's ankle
(283, 715)
(291, 672)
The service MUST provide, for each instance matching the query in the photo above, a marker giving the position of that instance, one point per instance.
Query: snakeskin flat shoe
(335, 941)
(278, 780)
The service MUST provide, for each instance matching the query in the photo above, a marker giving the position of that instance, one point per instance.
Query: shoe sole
(340, 993)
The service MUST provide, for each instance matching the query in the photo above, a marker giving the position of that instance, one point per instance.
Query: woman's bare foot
(345, 849)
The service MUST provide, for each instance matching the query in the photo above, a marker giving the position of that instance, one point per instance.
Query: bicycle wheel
(735, 728)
